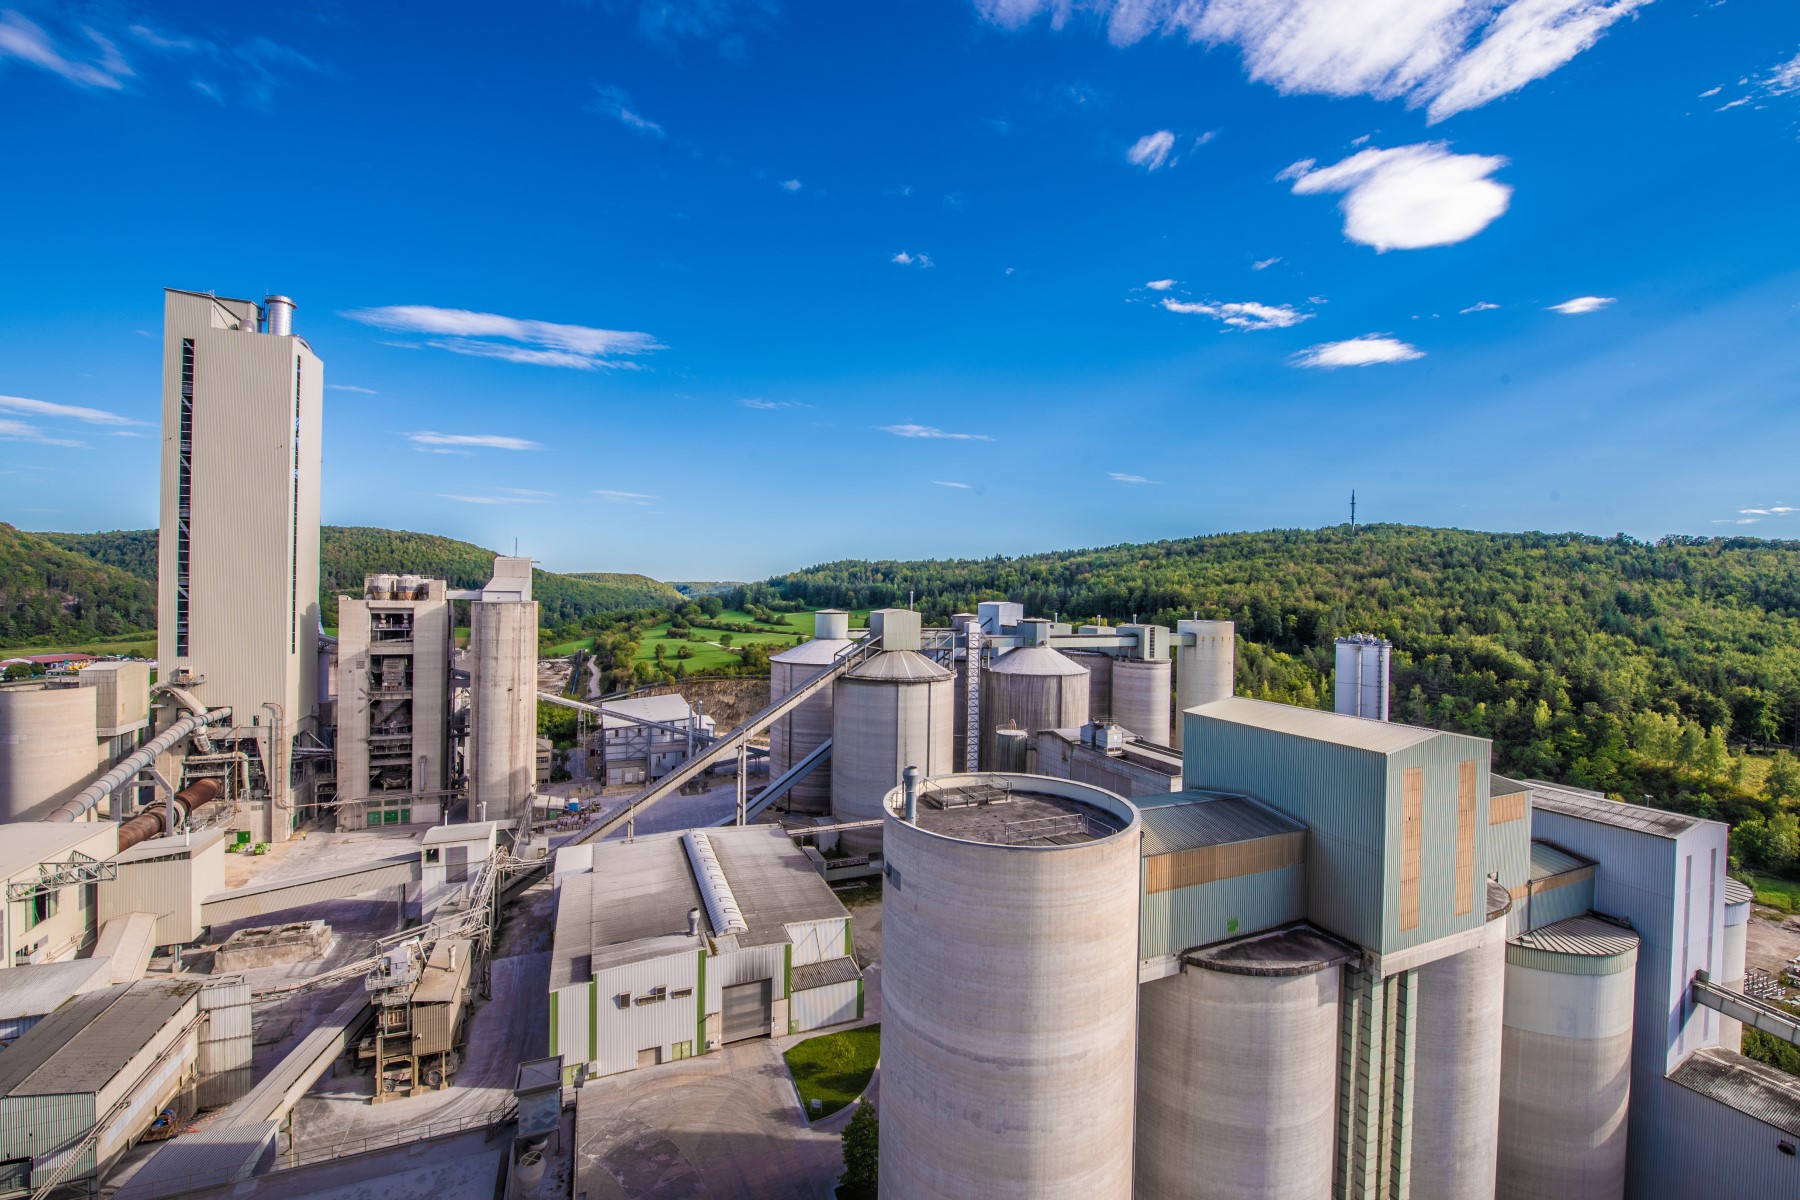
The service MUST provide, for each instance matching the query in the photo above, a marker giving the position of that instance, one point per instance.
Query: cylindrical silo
(1237, 1071)
(1565, 1081)
(502, 753)
(797, 735)
(1140, 697)
(1360, 686)
(889, 713)
(1731, 965)
(1205, 667)
(1100, 682)
(1009, 991)
(1456, 1077)
(49, 746)
(1033, 688)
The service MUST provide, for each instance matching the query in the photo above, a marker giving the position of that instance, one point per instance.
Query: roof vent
(279, 312)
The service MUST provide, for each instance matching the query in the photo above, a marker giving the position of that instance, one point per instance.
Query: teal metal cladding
(1183, 918)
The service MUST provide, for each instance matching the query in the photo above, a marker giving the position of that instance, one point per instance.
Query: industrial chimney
(1362, 676)
(278, 311)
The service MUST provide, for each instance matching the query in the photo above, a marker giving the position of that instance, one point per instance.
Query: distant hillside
(50, 595)
(347, 553)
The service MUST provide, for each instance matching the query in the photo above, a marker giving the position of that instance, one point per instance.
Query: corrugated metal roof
(671, 709)
(1036, 660)
(1499, 900)
(1380, 737)
(1758, 1091)
(82, 1045)
(28, 843)
(1588, 936)
(1593, 806)
(905, 666)
(1737, 893)
(275, 895)
(32, 991)
(474, 831)
(174, 846)
(819, 652)
(639, 892)
(1297, 949)
(446, 973)
(824, 974)
(1547, 859)
(1500, 785)
(1192, 818)
(773, 881)
(218, 1155)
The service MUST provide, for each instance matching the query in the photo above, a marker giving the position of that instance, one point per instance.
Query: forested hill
(1581, 657)
(48, 593)
(347, 553)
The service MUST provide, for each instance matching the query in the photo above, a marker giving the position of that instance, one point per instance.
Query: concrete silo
(1205, 666)
(1731, 961)
(1456, 1081)
(1565, 1082)
(1237, 1070)
(888, 713)
(1033, 688)
(1009, 991)
(1360, 685)
(48, 746)
(1140, 697)
(503, 647)
(797, 735)
(1099, 667)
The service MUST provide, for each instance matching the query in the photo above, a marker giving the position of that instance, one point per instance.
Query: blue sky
(721, 288)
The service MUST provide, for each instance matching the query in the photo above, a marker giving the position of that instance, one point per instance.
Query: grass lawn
(1774, 891)
(834, 1069)
(141, 645)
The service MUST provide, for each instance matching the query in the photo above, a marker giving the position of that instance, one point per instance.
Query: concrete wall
(73, 923)
(502, 755)
(48, 747)
(1456, 1082)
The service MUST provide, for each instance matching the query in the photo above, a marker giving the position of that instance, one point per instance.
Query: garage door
(748, 1010)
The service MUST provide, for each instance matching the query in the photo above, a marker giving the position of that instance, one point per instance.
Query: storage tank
(1100, 681)
(1009, 991)
(48, 746)
(1565, 1079)
(1731, 965)
(800, 733)
(1206, 670)
(1141, 690)
(888, 713)
(502, 753)
(1456, 1076)
(1361, 682)
(1237, 1070)
(1033, 688)
(410, 586)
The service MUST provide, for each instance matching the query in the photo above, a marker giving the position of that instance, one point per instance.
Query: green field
(1773, 891)
(141, 645)
(834, 1069)
(708, 654)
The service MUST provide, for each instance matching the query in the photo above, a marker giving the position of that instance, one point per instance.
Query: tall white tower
(1362, 676)
(238, 568)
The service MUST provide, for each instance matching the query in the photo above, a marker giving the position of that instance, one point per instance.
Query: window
(40, 908)
(184, 497)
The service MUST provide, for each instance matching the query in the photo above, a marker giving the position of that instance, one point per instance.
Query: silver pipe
(79, 805)
(910, 780)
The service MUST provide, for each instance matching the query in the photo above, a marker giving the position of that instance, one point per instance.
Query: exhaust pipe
(156, 820)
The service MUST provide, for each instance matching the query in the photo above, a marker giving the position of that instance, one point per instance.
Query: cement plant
(296, 914)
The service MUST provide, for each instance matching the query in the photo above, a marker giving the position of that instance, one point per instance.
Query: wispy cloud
(1444, 55)
(1784, 78)
(1583, 304)
(1263, 264)
(1710, 92)
(761, 405)
(1160, 285)
(932, 431)
(1151, 151)
(351, 387)
(907, 258)
(1122, 477)
(512, 339)
(791, 185)
(1479, 306)
(20, 431)
(1246, 314)
(1773, 510)
(614, 102)
(467, 499)
(1411, 196)
(477, 441)
(966, 487)
(634, 499)
(64, 412)
(99, 66)
(1731, 104)
(1365, 351)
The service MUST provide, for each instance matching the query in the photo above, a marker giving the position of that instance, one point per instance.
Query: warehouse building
(671, 946)
(29, 994)
(49, 869)
(636, 753)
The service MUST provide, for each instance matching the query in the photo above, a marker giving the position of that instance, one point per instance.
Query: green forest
(347, 553)
(50, 594)
(1667, 669)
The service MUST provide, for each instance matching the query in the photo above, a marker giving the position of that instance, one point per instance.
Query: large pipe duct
(80, 805)
(158, 819)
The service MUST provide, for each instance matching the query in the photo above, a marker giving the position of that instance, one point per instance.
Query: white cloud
(635, 499)
(1480, 306)
(1784, 79)
(614, 102)
(1364, 351)
(512, 339)
(1411, 196)
(351, 387)
(481, 441)
(932, 431)
(1731, 104)
(21, 39)
(757, 402)
(1711, 91)
(1151, 151)
(1160, 285)
(951, 484)
(1263, 264)
(20, 431)
(69, 412)
(1245, 314)
(1583, 304)
(1121, 477)
(908, 259)
(462, 499)
(791, 185)
(1446, 55)
(1738, 521)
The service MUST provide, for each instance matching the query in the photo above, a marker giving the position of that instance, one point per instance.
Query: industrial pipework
(84, 802)
(157, 819)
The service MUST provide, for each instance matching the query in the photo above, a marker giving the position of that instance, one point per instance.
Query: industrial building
(49, 870)
(795, 738)
(643, 738)
(58, 732)
(238, 572)
(1103, 754)
(503, 645)
(394, 649)
(673, 945)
